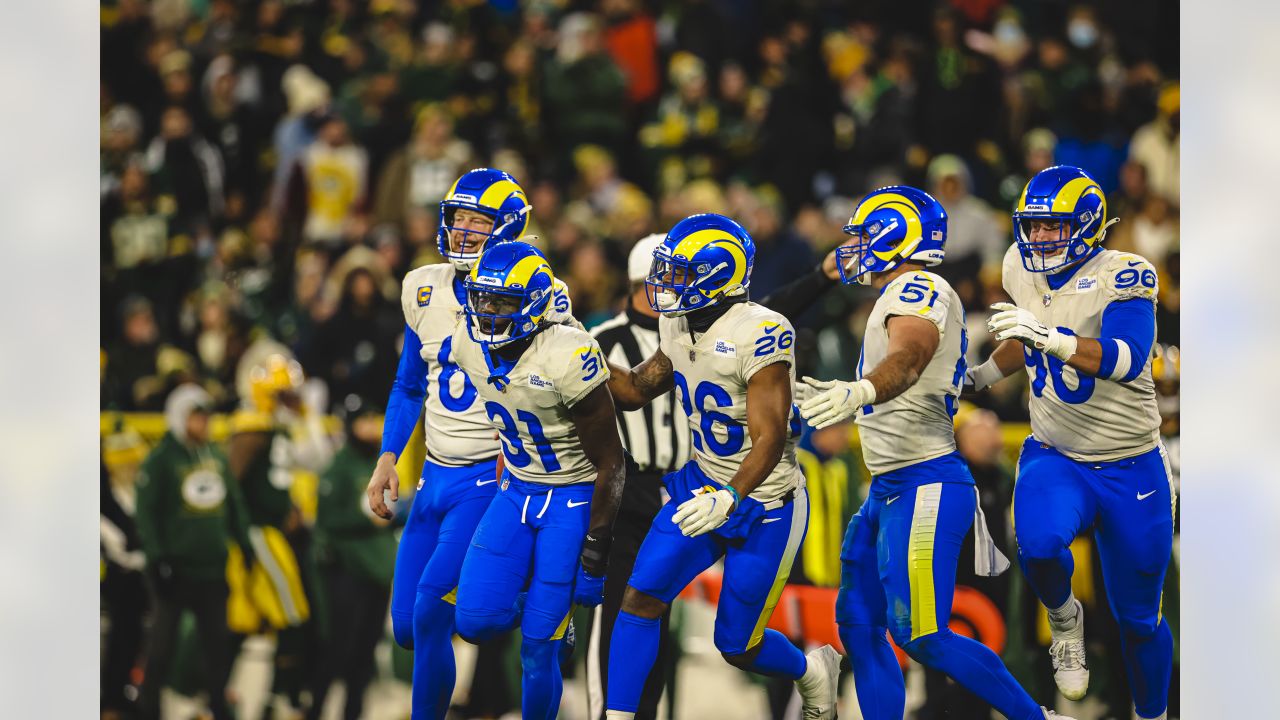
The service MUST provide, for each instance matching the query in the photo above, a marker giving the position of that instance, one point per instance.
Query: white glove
(804, 393)
(707, 510)
(1014, 322)
(835, 400)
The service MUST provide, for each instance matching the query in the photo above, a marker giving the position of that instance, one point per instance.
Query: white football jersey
(456, 429)
(711, 375)
(1087, 418)
(916, 425)
(531, 413)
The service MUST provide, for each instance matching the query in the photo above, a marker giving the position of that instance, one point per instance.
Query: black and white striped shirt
(657, 435)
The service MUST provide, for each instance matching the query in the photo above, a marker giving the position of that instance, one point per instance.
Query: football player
(898, 563)
(1082, 322)
(483, 208)
(548, 528)
(742, 496)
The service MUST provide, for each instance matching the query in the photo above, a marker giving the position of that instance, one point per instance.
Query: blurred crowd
(270, 169)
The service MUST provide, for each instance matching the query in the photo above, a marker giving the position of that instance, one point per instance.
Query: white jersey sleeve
(1087, 418)
(456, 430)
(531, 409)
(917, 425)
(711, 374)
(766, 338)
(1126, 276)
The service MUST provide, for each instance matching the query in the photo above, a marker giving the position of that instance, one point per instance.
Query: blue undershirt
(1131, 321)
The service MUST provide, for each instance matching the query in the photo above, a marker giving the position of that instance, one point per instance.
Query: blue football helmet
(703, 259)
(893, 225)
(1070, 205)
(492, 193)
(509, 291)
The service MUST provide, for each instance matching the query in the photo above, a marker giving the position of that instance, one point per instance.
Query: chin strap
(499, 368)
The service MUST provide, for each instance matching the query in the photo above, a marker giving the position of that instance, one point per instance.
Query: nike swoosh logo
(1144, 497)
(766, 521)
(573, 504)
(486, 482)
(890, 500)
(1135, 263)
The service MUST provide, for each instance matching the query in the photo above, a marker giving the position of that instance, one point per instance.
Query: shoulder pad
(246, 421)
(1126, 275)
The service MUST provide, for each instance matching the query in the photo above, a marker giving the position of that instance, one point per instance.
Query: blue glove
(589, 590)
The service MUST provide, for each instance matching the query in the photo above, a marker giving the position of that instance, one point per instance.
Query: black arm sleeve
(795, 297)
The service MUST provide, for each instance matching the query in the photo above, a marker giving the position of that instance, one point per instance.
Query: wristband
(595, 555)
(736, 500)
(986, 375)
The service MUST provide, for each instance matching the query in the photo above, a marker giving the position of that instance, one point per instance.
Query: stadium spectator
(327, 191)
(368, 319)
(584, 92)
(355, 552)
(974, 238)
(419, 175)
(188, 511)
(1155, 146)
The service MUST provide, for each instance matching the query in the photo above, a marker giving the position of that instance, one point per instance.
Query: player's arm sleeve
(797, 296)
(917, 295)
(1129, 319)
(409, 389)
(762, 342)
(584, 371)
(1128, 331)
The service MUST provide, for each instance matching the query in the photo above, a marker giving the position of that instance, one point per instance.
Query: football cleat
(818, 686)
(1070, 671)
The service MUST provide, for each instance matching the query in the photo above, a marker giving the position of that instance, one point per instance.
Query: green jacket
(188, 509)
(345, 532)
(268, 475)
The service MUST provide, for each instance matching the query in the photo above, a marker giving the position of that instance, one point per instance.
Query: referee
(657, 442)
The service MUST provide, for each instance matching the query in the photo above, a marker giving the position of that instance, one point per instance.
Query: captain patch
(424, 296)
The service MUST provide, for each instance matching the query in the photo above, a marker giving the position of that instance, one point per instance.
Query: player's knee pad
(539, 657)
(432, 614)
(741, 660)
(1139, 628)
(642, 604)
(1041, 546)
(926, 648)
(477, 628)
(402, 629)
